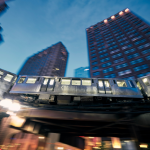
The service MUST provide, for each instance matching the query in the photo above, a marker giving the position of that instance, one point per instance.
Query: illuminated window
(65, 81)
(121, 84)
(45, 82)
(106, 84)
(1, 73)
(100, 83)
(51, 82)
(15, 80)
(139, 85)
(112, 17)
(76, 82)
(31, 80)
(21, 80)
(86, 82)
(146, 82)
(127, 10)
(8, 77)
(105, 21)
(121, 13)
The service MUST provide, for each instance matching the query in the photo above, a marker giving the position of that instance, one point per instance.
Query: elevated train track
(84, 107)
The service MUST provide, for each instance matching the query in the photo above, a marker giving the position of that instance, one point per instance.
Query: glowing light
(145, 80)
(41, 137)
(96, 147)
(6, 103)
(127, 10)
(17, 121)
(51, 82)
(10, 113)
(86, 69)
(143, 146)
(14, 107)
(105, 21)
(112, 17)
(57, 68)
(121, 13)
(116, 142)
(91, 137)
(60, 148)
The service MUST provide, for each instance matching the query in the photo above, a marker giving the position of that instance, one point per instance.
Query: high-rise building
(82, 72)
(50, 62)
(3, 7)
(119, 46)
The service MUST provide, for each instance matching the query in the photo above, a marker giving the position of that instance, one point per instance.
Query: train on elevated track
(73, 91)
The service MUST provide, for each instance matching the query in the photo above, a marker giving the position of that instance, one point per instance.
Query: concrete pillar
(51, 140)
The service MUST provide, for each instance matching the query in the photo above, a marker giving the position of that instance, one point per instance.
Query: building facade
(82, 72)
(3, 8)
(50, 62)
(119, 46)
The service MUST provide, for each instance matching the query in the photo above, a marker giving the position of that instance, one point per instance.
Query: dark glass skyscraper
(82, 72)
(119, 46)
(50, 62)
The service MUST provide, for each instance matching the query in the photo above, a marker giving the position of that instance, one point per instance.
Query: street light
(10, 105)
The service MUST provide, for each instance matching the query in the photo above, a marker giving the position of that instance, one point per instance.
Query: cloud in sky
(30, 26)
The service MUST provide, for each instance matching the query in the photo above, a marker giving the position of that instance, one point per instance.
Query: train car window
(45, 81)
(86, 82)
(100, 83)
(51, 82)
(38, 78)
(131, 84)
(76, 82)
(8, 77)
(146, 82)
(31, 80)
(15, 80)
(1, 73)
(21, 80)
(65, 81)
(139, 85)
(121, 83)
(114, 81)
(106, 84)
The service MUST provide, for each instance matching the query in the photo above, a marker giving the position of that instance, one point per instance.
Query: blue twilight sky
(32, 25)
